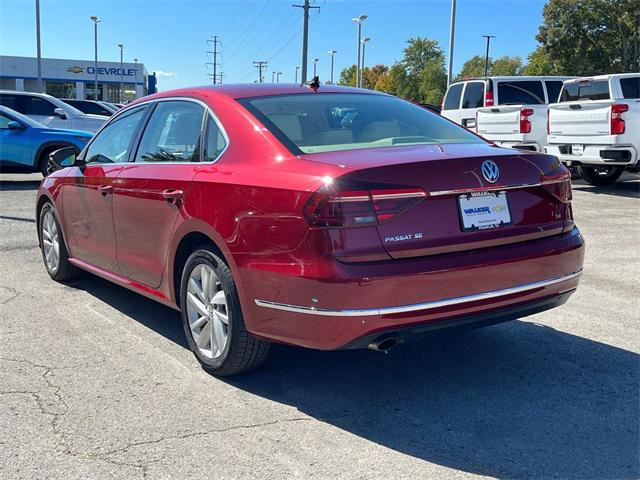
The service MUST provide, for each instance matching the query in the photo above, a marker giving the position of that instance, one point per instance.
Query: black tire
(600, 175)
(65, 270)
(242, 351)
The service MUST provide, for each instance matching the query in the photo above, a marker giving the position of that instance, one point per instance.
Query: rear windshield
(521, 92)
(326, 122)
(586, 90)
(630, 87)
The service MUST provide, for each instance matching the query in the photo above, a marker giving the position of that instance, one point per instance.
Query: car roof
(247, 90)
(603, 77)
(516, 77)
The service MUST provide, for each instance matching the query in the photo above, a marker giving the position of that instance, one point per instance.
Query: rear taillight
(488, 99)
(525, 124)
(335, 206)
(617, 123)
(559, 185)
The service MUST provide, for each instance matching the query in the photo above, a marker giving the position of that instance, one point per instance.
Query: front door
(150, 192)
(16, 145)
(87, 193)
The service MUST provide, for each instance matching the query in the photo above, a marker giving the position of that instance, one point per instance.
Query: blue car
(25, 144)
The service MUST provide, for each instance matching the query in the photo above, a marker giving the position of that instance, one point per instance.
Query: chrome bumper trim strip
(418, 306)
(494, 188)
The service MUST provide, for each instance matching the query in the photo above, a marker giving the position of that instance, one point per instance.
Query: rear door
(151, 191)
(472, 100)
(451, 103)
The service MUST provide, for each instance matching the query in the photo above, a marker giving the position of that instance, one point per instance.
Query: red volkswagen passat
(329, 218)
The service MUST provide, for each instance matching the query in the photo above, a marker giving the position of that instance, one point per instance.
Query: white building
(75, 78)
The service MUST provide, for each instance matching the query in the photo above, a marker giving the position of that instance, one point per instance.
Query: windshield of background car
(327, 122)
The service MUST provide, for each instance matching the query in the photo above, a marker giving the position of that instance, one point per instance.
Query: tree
(539, 63)
(348, 76)
(506, 66)
(474, 67)
(588, 37)
(423, 63)
(371, 75)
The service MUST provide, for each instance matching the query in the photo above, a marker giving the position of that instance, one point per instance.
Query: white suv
(50, 111)
(465, 97)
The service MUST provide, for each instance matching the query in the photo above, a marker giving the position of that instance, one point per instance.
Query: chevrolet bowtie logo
(75, 69)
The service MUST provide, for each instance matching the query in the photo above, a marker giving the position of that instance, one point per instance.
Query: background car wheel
(600, 175)
(54, 251)
(212, 317)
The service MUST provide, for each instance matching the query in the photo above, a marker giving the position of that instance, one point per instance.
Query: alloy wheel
(207, 311)
(50, 241)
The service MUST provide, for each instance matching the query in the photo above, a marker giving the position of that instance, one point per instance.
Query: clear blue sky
(169, 37)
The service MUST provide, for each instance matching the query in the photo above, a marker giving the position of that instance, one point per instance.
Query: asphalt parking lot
(97, 382)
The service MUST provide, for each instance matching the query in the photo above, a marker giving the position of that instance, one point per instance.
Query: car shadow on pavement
(516, 400)
(19, 185)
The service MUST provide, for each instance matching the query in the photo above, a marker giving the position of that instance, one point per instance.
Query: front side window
(521, 92)
(4, 122)
(585, 90)
(473, 95)
(11, 101)
(215, 142)
(172, 134)
(325, 122)
(39, 106)
(452, 100)
(114, 141)
(630, 87)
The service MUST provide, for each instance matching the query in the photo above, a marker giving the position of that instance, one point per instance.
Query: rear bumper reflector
(418, 306)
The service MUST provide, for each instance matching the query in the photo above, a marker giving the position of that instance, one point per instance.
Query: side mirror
(61, 113)
(62, 158)
(13, 125)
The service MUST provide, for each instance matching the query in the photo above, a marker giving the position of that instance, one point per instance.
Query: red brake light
(559, 186)
(333, 206)
(525, 124)
(548, 122)
(617, 123)
(488, 99)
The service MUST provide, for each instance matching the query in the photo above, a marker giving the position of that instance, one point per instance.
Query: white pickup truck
(519, 120)
(596, 126)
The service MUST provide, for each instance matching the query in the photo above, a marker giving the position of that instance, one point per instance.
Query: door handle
(172, 196)
(105, 189)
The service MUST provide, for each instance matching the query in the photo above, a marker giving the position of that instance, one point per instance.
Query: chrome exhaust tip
(383, 344)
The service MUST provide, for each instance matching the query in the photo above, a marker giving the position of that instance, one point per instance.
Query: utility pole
(214, 54)
(260, 65)
(305, 37)
(38, 52)
(452, 32)
(486, 57)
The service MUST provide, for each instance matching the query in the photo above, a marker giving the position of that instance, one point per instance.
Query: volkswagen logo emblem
(490, 171)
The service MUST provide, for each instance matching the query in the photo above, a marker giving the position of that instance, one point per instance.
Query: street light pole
(315, 63)
(364, 45)
(135, 79)
(95, 65)
(452, 31)
(38, 52)
(120, 92)
(297, 68)
(486, 57)
(332, 53)
(273, 77)
(278, 77)
(359, 21)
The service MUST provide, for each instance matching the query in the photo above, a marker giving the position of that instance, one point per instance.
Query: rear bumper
(595, 154)
(348, 302)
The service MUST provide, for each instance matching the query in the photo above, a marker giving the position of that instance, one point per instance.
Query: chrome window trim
(418, 306)
(154, 101)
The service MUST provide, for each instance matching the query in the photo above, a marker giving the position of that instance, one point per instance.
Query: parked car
(595, 125)
(50, 111)
(92, 106)
(520, 122)
(25, 144)
(336, 218)
(465, 97)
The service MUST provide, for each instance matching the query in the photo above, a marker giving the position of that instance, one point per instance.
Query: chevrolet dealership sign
(125, 72)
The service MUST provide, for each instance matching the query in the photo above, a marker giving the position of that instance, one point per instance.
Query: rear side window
(12, 101)
(89, 107)
(215, 142)
(113, 142)
(38, 106)
(589, 90)
(473, 95)
(526, 92)
(553, 90)
(172, 134)
(452, 100)
(630, 87)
